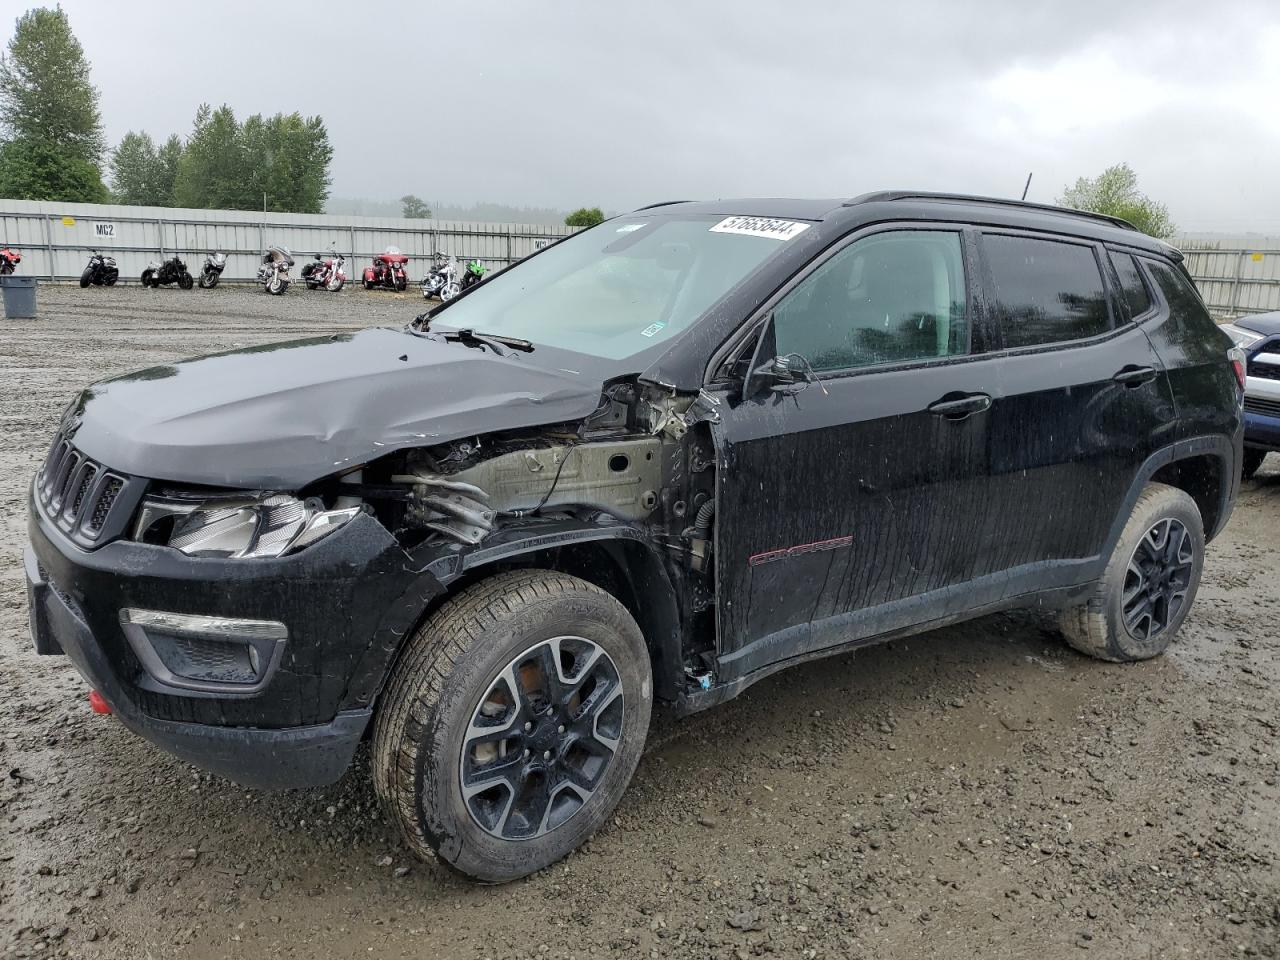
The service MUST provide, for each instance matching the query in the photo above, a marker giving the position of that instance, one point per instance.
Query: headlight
(1241, 336)
(237, 525)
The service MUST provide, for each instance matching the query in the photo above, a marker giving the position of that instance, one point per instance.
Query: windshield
(616, 289)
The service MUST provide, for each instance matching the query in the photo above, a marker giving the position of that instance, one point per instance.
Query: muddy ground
(977, 791)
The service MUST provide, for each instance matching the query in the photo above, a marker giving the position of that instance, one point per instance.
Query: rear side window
(1131, 285)
(1045, 291)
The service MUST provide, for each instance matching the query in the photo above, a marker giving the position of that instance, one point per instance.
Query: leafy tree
(229, 165)
(211, 172)
(45, 93)
(414, 208)
(1115, 193)
(167, 157)
(38, 170)
(49, 112)
(584, 217)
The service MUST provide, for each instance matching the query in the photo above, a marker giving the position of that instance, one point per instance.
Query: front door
(857, 503)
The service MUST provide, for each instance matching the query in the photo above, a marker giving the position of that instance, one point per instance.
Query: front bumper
(1262, 413)
(347, 602)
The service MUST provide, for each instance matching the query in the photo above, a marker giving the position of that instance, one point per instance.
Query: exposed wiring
(550, 490)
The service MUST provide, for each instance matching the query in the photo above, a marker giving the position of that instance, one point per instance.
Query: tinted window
(1045, 291)
(888, 298)
(1177, 289)
(1131, 285)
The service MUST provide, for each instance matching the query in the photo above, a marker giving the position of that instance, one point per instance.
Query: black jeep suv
(659, 459)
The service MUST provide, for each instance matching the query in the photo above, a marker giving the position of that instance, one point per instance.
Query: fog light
(213, 654)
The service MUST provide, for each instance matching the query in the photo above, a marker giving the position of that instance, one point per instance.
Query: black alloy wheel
(542, 738)
(1158, 578)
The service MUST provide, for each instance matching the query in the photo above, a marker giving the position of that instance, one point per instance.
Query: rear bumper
(303, 756)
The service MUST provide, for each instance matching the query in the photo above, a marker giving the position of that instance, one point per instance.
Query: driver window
(887, 298)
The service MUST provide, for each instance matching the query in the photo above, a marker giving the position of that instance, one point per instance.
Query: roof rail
(888, 195)
(661, 203)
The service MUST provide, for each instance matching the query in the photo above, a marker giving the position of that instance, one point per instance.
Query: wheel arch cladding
(627, 569)
(1202, 477)
(1204, 467)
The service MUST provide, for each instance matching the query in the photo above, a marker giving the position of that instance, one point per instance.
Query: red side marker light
(97, 704)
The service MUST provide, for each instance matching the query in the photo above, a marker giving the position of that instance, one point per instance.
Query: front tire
(148, 278)
(185, 281)
(276, 286)
(86, 278)
(450, 290)
(513, 723)
(1251, 461)
(1149, 583)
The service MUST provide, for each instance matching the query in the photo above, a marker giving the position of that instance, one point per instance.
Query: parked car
(659, 460)
(1258, 335)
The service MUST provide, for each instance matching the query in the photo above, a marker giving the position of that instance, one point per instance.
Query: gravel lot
(977, 791)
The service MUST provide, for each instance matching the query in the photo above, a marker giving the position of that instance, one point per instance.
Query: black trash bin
(19, 297)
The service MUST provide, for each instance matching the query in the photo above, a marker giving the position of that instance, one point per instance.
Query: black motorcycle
(172, 270)
(101, 271)
(211, 272)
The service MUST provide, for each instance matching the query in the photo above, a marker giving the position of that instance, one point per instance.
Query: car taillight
(1236, 356)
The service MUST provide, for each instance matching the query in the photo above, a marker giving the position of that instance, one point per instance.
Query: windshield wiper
(468, 337)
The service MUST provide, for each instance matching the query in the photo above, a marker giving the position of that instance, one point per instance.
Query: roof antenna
(1026, 187)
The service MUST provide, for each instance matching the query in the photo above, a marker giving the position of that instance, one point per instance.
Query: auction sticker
(760, 227)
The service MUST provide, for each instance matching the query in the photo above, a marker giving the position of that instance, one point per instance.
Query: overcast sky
(621, 104)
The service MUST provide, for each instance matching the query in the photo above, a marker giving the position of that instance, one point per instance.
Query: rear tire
(546, 783)
(1251, 461)
(1149, 583)
(112, 277)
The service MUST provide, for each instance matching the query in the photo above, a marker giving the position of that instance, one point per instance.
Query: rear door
(1082, 402)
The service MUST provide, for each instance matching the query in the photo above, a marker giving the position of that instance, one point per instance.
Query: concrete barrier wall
(55, 239)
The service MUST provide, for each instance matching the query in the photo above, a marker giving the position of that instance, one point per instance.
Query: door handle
(959, 408)
(1132, 376)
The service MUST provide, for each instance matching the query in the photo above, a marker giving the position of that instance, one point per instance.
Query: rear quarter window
(1045, 291)
(1132, 286)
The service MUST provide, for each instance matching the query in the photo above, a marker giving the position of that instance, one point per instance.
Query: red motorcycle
(329, 274)
(387, 271)
(9, 260)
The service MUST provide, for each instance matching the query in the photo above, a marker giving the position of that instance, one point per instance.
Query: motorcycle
(329, 273)
(274, 272)
(9, 260)
(437, 276)
(387, 271)
(473, 274)
(172, 270)
(211, 272)
(101, 271)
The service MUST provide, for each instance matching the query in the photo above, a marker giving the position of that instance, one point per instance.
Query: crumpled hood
(282, 415)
